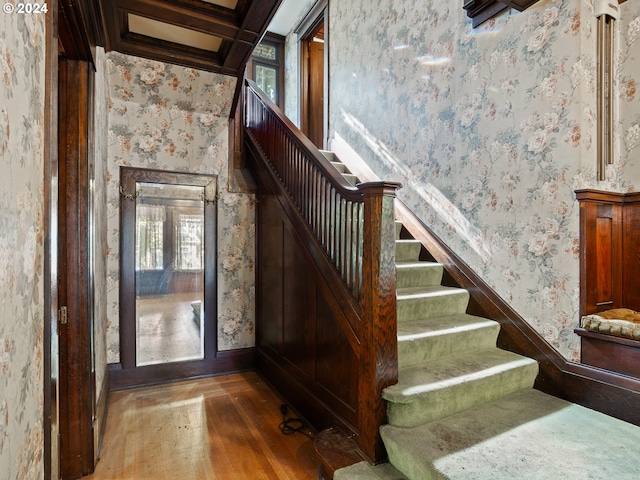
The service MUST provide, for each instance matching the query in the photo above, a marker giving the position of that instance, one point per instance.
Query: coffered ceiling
(213, 35)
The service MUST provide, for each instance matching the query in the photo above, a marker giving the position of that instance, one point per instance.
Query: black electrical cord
(289, 426)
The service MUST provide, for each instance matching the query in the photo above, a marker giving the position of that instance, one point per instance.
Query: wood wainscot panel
(609, 274)
(621, 355)
(299, 312)
(604, 236)
(631, 253)
(337, 361)
(269, 298)
(601, 250)
(299, 319)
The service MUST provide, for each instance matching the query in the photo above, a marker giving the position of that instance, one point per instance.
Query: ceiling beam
(239, 30)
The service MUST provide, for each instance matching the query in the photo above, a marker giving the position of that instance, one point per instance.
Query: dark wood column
(75, 315)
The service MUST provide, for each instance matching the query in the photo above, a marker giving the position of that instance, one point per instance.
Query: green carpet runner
(464, 409)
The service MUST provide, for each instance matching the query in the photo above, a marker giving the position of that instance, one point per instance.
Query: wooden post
(379, 349)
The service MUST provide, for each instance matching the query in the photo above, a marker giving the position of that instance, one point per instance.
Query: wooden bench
(609, 279)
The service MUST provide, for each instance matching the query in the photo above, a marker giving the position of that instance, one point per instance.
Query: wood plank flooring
(167, 329)
(222, 427)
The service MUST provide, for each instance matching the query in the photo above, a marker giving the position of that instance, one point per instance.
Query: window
(150, 244)
(267, 80)
(266, 67)
(188, 241)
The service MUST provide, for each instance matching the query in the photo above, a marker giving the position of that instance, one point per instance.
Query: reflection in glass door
(169, 267)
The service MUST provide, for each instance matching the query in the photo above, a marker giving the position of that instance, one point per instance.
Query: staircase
(465, 409)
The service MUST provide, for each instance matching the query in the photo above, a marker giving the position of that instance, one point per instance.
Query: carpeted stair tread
(341, 167)
(364, 471)
(528, 435)
(449, 385)
(418, 274)
(350, 178)
(329, 155)
(432, 338)
(407, 250)
(416, 303)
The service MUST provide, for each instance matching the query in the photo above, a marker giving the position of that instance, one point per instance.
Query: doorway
(314, 76)
(168, 301)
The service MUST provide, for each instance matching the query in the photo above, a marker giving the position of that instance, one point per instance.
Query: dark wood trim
(102, 411)
(127, 275)
(239, 29)
(601, 247)
(76, 351)
(325, 337)
(336, 450)
(312, 19)
(229, 361)
(276, 41)
(600, 196)
(609, 250)
(50, 203)
(609, 273)
(316, 18)
(602, 390)
(81, 28)
(129, 177)
(609, 352)
(482, 10)
(479, 11)
(256, 18)
(614, 394)
(379, 366)
(519, 5)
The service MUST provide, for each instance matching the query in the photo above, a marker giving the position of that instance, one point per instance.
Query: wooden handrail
(334, 209)
(355, 227)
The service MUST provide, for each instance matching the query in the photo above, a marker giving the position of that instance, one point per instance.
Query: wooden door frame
(126, 374)
(73, 29)
(77, 379)
(317, 16)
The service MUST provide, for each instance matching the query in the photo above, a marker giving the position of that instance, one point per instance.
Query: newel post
(379, 349)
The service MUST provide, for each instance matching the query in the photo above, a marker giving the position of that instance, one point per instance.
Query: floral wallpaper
(22, 52)
(490, 130)
(168, 117)
(628, 77)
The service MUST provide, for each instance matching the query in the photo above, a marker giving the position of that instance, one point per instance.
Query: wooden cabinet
(609, 274)
(609, 250)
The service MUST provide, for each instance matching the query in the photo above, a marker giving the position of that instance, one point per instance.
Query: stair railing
(355, 227)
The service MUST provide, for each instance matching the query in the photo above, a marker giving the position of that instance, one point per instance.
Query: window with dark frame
(266, 67)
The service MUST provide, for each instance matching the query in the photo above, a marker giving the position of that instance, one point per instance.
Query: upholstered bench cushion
(620, 322)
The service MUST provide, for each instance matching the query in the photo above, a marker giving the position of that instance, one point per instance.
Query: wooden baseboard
(230, 361)
(307, 404)
(336, 450)
(102, 411)
(602, 390)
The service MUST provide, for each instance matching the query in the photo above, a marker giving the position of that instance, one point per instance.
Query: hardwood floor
(167, 329)
(222, 427)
